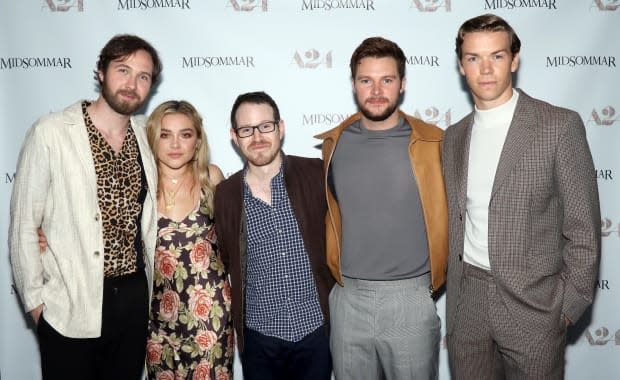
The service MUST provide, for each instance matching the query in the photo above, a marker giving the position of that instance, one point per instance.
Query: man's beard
(265, 158)
(377, 117)
(118, 105)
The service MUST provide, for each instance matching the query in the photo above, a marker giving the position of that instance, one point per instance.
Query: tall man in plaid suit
(524, 218)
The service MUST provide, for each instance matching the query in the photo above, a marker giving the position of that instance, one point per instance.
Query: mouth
(128, 94)
(259, 146)
(175, 155)
(376, 101)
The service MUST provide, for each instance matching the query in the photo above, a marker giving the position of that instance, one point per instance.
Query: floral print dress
(190, 328)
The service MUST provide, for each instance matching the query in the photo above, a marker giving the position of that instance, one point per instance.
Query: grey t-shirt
(383, 231)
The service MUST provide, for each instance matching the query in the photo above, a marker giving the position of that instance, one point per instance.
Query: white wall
(298, 51)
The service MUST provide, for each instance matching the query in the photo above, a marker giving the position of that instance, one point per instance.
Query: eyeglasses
(266, 127)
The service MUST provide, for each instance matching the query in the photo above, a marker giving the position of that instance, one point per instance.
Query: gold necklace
(169, 200)
(172, 179)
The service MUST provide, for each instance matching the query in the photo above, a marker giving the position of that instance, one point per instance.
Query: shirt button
(96, 217)
(97, 253)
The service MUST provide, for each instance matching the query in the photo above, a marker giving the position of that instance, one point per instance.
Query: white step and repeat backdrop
(298, 51)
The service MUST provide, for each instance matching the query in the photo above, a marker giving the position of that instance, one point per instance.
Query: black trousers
(268, 358)
(120, 350)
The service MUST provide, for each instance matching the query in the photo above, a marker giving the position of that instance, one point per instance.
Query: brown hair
(378, 47)
(258, 97)
(487, 23)
(124, 45)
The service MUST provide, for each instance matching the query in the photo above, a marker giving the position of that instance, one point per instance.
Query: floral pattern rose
(200, 255)
(206, 340)
(227, 292)
(202, 371)
(222, 373)
(169, 306)
(200, 303)
(165, 263)
(153, 351)
(165, 375)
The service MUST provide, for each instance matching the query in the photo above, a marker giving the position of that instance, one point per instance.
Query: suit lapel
(78, 135)
(520, 135)
(461, 158)
(148, 163)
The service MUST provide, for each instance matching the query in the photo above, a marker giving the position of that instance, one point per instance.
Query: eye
(267, 127)
(145, 77)
(188, 135)
(164, 135)
(388, 80)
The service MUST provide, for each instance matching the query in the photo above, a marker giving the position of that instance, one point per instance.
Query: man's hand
(567, 322)
(42, 240)
(36, 314)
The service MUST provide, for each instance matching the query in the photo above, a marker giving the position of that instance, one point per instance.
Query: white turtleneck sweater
(487, 140)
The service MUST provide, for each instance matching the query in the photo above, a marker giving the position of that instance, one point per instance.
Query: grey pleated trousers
(384, 330)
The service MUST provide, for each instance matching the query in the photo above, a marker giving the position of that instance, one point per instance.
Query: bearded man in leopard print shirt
(86, 176)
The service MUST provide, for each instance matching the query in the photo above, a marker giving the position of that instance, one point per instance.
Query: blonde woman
(190, 331)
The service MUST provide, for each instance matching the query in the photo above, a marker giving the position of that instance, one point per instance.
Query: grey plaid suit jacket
(544, 216)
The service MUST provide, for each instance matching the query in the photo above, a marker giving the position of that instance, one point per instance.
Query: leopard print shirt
(121, 189)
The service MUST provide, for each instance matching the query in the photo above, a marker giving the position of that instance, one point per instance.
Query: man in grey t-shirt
(386, 227)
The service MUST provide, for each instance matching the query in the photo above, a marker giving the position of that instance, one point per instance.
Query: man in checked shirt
(270, 223)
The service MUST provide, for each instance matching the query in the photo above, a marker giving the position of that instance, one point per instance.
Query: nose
(132, 82)
(256, 136)
(486, 66)
(175, 142)
(376, 88)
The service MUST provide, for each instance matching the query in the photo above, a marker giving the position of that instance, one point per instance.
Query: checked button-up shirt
(281, 295)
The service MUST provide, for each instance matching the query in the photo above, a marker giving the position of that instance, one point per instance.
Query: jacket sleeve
(28, 202)
(218, 212)
(581, 222)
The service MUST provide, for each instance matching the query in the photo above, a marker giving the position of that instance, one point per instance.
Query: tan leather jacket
(425, 156)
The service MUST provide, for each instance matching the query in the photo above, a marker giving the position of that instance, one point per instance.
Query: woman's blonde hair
(200, 164)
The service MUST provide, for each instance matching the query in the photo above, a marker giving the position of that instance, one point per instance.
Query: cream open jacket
(56, 187)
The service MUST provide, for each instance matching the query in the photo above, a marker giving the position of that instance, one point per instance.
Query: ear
(100, 75)
(233, 136)
(461, 69)
(353, 85)
(281, 126)
(403, 84)
(514, 65)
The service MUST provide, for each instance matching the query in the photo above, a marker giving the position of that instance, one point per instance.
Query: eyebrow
(492, 53)
(256, 125)
(380, 77)
(182, 130)
(123, 64)
(119, 63)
